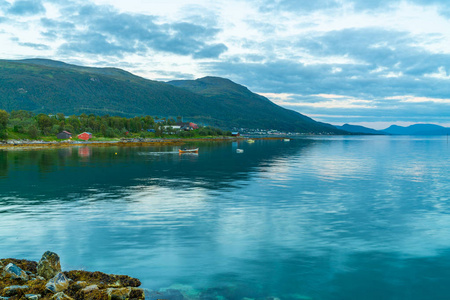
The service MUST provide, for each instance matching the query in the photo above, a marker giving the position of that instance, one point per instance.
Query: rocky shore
(122, 142)
(30, 280)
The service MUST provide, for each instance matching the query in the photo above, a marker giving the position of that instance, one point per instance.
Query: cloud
(306, 7)
(212, 51)
(440, 74)
(294, 5)
(26, 7)
(103, 30)
(35, 46)
(60, 25)
(93, 43)
(4, 5)
(352, 62)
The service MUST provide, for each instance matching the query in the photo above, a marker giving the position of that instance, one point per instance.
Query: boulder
(58, 283)
(4, 298)
(14, 272)
(61, 296)
(33, 296)
(83, 284)
(49, 265)
(90, 288)
(14, 289)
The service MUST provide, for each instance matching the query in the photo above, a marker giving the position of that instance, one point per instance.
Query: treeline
(26, 124)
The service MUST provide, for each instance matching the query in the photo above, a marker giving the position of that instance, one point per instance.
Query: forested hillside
(50, 87)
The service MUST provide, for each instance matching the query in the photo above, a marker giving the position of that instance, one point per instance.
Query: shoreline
(19, 144)
(134, 142)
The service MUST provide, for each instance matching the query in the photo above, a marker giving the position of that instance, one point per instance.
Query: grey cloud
(121, 33)
(49, 23)
(212, 51)
(26, 7)
(93, 43)
(376, 48)
(4, 5)
(358, 5)
(194, 31)
(295, 5)
(51, 34)
(358, 80)
(35, 46)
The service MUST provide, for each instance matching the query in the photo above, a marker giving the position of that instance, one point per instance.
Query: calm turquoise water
(314, 218)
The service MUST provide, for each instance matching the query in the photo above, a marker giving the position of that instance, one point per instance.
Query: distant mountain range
(416, 129)
(47, 86)
(359, 129)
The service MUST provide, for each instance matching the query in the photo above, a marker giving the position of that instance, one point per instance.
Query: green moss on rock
(82, 285)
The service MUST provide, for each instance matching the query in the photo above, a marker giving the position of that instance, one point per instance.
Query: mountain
(359, 129)
(417, 129)
(47, 86)
(249, 109)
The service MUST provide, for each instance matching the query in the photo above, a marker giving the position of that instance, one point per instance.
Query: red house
(85, 136)
(193, 125)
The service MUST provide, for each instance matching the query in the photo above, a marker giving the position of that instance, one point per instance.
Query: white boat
(250, 141)
(286, 140)
(239, 151)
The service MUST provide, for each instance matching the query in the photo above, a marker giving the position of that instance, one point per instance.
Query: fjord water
(314, 218)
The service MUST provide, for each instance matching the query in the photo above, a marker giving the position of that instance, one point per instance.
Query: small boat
(239, 151)
(286, 140)
(195, 150)
(250, 141)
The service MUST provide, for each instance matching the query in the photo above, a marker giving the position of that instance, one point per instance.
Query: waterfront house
(64, 135)
(85, 136)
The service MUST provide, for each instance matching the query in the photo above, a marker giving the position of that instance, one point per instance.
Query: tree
(33, 132)
(44, 123)
(60, 116)
(3, 123)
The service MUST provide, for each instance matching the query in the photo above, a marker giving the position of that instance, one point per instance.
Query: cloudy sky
(368, 62)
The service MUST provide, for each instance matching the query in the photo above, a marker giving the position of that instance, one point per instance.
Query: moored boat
(239, 151)
(195, 150)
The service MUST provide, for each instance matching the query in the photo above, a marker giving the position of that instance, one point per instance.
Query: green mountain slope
(249, 109)
(50, 87)
(46, 86)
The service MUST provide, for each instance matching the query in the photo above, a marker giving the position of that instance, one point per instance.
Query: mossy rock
(49, 265)
(103, 280)
(26, 265)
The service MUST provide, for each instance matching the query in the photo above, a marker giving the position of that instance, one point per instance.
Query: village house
(85, 136)
(64, 135)
(187, 126)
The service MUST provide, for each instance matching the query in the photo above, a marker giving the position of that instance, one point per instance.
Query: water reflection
(333, 218)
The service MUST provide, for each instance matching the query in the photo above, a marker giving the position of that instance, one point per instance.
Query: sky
(363, 62)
